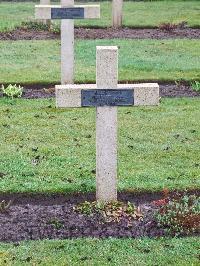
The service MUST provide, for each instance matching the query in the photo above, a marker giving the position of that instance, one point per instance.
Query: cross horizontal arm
(71, 95)
(78, 11)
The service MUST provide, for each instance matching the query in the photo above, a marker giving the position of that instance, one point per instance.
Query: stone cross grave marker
(117, 7)
(106, 95)
(45, 21)
(67, 12)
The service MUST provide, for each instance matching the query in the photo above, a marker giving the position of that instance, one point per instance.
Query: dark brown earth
(56, 199)
(53, 217)
(104, 33)
(177, 90)
(166, 90)
(39, 217)
(32, 217)
(34, 222)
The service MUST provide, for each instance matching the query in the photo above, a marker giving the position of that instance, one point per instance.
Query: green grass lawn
(141, 252)
(158, 147)
(136, 14)
(39, 61)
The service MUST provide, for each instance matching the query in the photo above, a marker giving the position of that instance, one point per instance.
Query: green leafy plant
(85, 207)
(171, 26)
(4, 206)
(181, 215)
(34, 25)
(55, 223)
(111, 211)
(195, 85)
(167, 26)
(39, 26)
(12, 91)
(55, 28)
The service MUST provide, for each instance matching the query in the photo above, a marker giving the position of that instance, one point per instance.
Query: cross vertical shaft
(106, 126)
(67, 47)
(46, 2)
(117, 6)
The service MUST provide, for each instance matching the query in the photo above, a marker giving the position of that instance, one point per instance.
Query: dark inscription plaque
(99, 97)
(67, 13)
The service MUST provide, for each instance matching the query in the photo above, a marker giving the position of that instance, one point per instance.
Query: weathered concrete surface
(67, 46)
(117, 6)
(45, 21)
(106, 126)
(146, 94)
(44, 11)
(70, 95)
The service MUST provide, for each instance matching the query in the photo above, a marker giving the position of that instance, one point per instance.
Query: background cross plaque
(67, 12)
(106, 95)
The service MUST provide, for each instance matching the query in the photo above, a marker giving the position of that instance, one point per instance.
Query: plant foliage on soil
(195, 85)
(180, 215)
(111, 211)
(12, 91)
(4, 206)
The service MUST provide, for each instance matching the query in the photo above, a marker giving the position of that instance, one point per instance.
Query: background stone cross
(106, 95)
(67, 12)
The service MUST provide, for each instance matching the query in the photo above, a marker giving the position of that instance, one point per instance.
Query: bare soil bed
(104, 33)
(39, 216)
(32, 217)
(166, 90)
